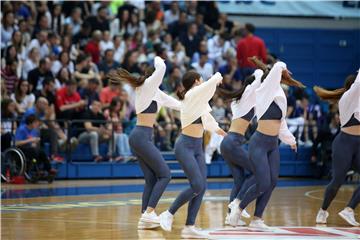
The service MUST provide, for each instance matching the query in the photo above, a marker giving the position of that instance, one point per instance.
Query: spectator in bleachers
(108, 93)
(107, 64)
(8, 26)
(54, 44)
(27, 139)
(106, 43)
(40, 43)
(64, 61)
(75, 20)
(135, 25)
(119, 148)
(173, 80)
(100, 21)
(24, 29)
(217, 47)
(68, 101)
(84, 70)
(179, 27)
(82, 37)
(4, 93)
(178, 56)
(62, 77)
(231, 68)
(171, 15)
(57, 19)
(223, 25)
(9, 76)
(191, 39)
(249, 46)
(130, 62)
(42, 24)
(22, 97)
(93, 46)
(119, 47)
(31, 62)
(17, 43)
(204, 68)
(90, 93)
(95, 130)
(8, 126)
(47, 91)
(202, 28)
(37, 75)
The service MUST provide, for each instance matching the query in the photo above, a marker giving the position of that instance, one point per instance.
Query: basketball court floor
(110, 209)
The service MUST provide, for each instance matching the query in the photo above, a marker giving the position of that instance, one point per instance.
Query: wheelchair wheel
(32, 172)
(13, 163)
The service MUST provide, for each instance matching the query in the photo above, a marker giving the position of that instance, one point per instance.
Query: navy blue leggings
(345, 154)
(156, 171)
(190, 154)
(237, 158)
(265, 160)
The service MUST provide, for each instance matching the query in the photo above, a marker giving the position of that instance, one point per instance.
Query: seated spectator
(106, 43)
(100, 21)
(108, 93)
(82, 37)
(40, 43)
(93, 46)
(37, 75)
(62, 77)
(47, 91)
(90, 93)
(107, 64)
(68, 101)
(8, 122)
(119, 148)
(27, 139)
(54, 45)
(95, 130)
(120, 48)
(83, 70)
(171, 15)
(173, 80)
(63, 62)
(135, 25)
(231, 68)
(130, 62)
(217, 47)
(8, 74)
(202, 48)
(204, 68)
(74, 20)
(178, 27)
(8, 26)
(22, 97)
(191, 40)
(178, 56)
(224, 25)
(31, 62)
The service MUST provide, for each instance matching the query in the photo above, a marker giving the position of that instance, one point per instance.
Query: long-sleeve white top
(196, 104)
(149, 91)
(242, 106)
(349, 103)
(269, 91)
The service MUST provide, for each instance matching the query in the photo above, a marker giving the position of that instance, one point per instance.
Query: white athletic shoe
(234, 215)
(259, 224)
(244, 213)
(150, 217)
(348, 215)
(322, 216)
(239, 223)
(193, 232)
(166, 220)
(145, 225)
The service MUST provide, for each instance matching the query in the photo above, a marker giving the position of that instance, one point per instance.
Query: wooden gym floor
(110, 209)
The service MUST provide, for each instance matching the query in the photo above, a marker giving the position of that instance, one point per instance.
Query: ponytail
(181, 93)
(227, 95)
(328, 94)
(336, 94)
(121, 75)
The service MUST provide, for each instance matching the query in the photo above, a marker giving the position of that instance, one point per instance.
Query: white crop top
(349, 102)
(248, 99)
(150, 91)
(269, 91)
(196, 104)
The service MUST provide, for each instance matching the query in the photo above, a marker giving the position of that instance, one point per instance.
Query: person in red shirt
(68, 101)
(250, 46)
(108, 93)
(93, 46)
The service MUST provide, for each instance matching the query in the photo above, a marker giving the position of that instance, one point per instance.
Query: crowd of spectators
(56, 57)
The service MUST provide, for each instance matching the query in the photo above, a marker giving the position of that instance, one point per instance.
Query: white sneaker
(348, 215)
(259, 224)
(322, 216)
(239, 223)
(150, 217)
(166, 220)
(244, 213)
(145, 225)
(193, 232)
(234, 215)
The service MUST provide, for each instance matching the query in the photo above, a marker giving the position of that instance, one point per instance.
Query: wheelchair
(14, 163)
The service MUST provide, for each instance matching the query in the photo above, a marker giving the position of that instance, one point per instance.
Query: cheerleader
(148, 101)
(195, 117)
(345, 147)
(271, 106)
(243, 110)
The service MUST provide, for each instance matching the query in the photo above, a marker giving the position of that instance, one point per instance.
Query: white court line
(65, 220)
(308, 194)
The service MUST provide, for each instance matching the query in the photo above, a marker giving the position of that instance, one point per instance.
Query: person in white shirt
(217, 47)
(31, 62)
(106, 43)
(243, 111)
(195, 118)
(148, 101)
(41, 43)
(171, 15)
(204, 68)
(345, 147)
(271, 106)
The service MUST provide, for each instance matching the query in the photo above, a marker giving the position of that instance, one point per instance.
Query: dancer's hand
(221, 132)
(294, 147)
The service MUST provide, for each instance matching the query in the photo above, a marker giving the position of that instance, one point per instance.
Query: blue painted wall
(315, 56)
